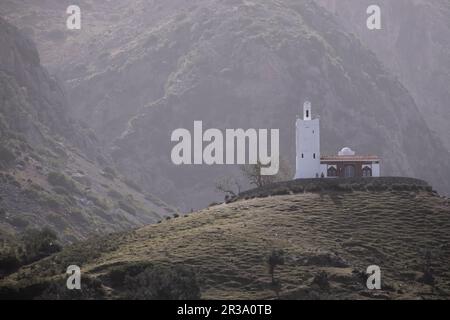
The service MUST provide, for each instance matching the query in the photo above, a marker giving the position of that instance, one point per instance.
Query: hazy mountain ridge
(52, 170)
(253, 71)
(414, 44)
(144, 68)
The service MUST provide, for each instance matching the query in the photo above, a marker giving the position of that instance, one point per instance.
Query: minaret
(307, 145)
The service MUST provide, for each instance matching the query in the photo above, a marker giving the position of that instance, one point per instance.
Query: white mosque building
(310, 163)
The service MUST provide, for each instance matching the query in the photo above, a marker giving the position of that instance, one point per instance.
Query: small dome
(346, 152)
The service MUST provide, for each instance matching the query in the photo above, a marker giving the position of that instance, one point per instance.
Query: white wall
(308, 144)
(376, 172)
(324, 170)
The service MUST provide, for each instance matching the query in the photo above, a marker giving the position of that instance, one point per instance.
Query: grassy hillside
(328, 238)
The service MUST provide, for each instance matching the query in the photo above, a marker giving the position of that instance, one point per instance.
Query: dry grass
(339, 233)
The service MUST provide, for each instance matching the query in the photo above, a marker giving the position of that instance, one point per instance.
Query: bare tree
(275, 259)
(231, 187)
(253, 174)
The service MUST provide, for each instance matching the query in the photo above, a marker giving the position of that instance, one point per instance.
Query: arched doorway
(349, 171)
(367, 171)
(332, 172)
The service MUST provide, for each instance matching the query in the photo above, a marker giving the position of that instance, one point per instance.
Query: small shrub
(78, 216)
(428, 274)
(427, 277)
(8, 262)
(344, 187)
(133, 185)
(103, 214)
(280, 191)
(38, 244)
(91, 289)
(50, 202)
(56, 35)
(60, 191)
(114, 194)
(321, 280)
(275, 259)
(213, 204)
(57, 221)
(101, 203)
(162, 283)
(126, 207)
(18, 222)
(7, 157)
(58, 179)
(313, 188)
(110, 171)
(108, 176)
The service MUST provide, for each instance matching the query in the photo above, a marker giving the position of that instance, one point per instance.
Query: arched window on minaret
(307, 110)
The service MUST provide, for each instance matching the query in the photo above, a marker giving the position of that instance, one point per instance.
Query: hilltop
(328, 237)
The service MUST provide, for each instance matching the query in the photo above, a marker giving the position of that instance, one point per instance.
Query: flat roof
(350, 158)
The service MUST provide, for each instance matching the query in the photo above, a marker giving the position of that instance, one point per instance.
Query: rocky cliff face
(34, 104)
(41, 99)
(52, 172)
(414, 43)
(142, 69)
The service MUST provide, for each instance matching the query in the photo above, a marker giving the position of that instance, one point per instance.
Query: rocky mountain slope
(137, 70)
(328, 238)
(415, 44)
(52, 171)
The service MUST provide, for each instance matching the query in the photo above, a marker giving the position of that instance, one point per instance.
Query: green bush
(38, 244)
(108, 176)
(321, 280)
(110, 171)
(7, 157)
(132, 185)
(101, 203)
(275, 259)
(8, 262)
(61, 191)
(114, 194)
(49, 201)
(157, 283)
(126, 207)
(91, 288)
(18, 222)
(33, 245)
(77, 216)
(58, 179)
(57, 221)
